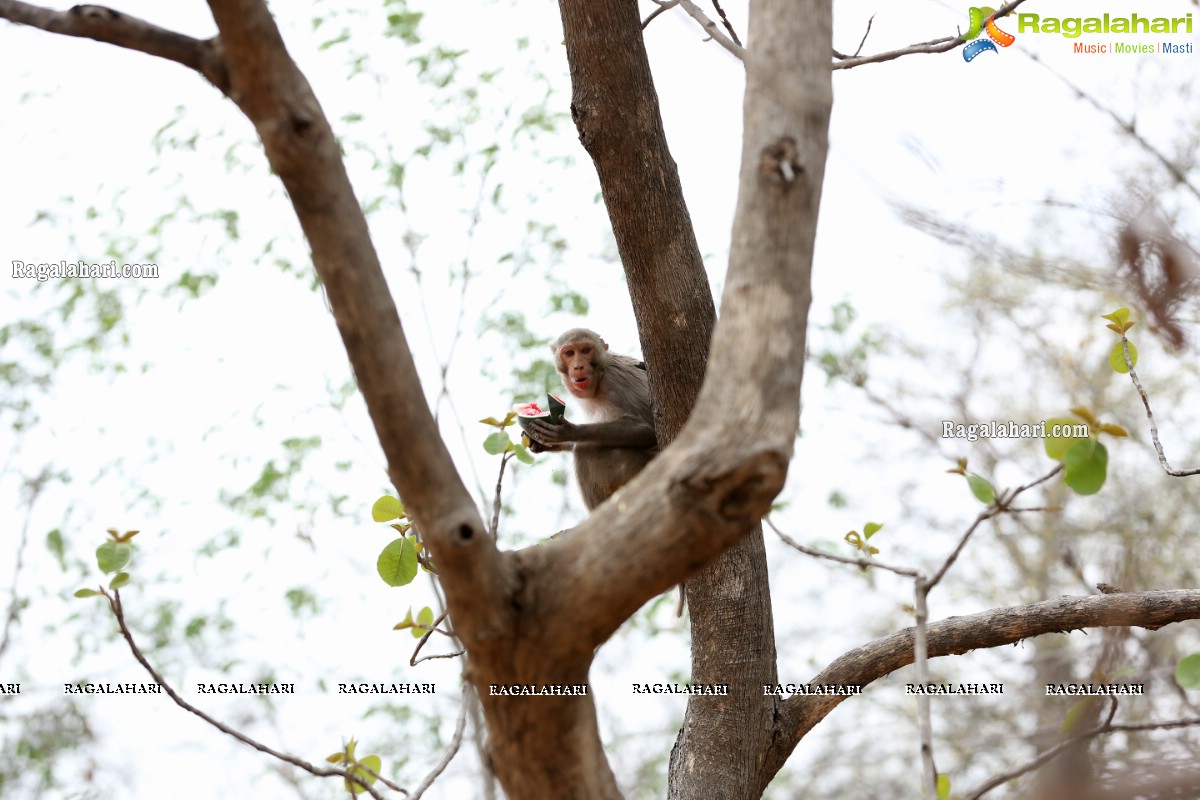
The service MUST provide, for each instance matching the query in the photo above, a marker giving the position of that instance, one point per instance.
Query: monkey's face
(578, 363)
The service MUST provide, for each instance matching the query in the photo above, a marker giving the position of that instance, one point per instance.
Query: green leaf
(397, 564)
(1120, 316)
(121, 579)
(87, 593)
(497, 443)
(424, 622)
(55, 544)
(943, 786)
(523, 454)
(871, 528)
(1075, 713)
(1057, 446)
(1187, 671)
(1086, 466)
(982, 490)
(113, 556)
(387, 508)
(1116, 358)
(373, 763)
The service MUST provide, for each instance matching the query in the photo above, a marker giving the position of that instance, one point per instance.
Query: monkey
(613, 392)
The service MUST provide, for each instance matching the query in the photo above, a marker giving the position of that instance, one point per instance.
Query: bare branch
(987, 629)
(663, 5)
(998, 507)
(858, 562)
(451, 749)
(114, 602)
(932, 46)
(1129, 127)
(924, 711)
(1162, 456)
(866, 33)
(112, 27)
(495, 528)
(725, 20)
(413, 661)
(1100, 730)
(712, 29)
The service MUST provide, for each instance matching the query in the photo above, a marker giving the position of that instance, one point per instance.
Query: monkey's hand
(553, 437)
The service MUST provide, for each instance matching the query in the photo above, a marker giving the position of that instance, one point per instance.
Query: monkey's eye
(568, 352)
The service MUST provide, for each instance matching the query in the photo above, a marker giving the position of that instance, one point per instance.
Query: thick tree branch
(994, 628)
(112, 27)
(268, 86)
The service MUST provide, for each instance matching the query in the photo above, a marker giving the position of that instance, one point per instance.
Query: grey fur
(620, 438)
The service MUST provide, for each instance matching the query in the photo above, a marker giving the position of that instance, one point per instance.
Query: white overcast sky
(985, 141)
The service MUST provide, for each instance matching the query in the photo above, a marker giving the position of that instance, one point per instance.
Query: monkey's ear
(604, 343)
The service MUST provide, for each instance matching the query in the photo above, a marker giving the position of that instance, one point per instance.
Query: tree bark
(759, 348)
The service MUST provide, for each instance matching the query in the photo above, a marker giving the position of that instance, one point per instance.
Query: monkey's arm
(626, 432)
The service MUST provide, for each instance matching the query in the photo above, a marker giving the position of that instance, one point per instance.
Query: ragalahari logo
(983, 20)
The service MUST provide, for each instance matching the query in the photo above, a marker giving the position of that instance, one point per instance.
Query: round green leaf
(113, 556)
(1086, 466)
(1116, 358)
(397, 564)
(523, 454)
(372, 763)
(1187, 672)
(120, 580)
(386, 509)
(497, 443)
(425, 618)
(1057, 446)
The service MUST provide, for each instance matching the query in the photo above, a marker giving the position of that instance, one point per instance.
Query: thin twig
(921, 589)
(663, 5)
(496, 498)
(932, 46)
(1162, 457)
(866, 33)
(999, 506)
(858, 562)
(725, 20)
(413, 661)
(1128, 127)
(713, 29)
(451, 751)
(1105, 728)
(114, 602)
